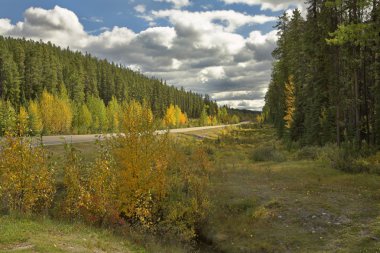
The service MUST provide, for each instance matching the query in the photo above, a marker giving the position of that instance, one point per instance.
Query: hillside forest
(51, 90)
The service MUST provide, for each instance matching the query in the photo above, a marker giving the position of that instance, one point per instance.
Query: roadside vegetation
(136, 181)
(225, 190)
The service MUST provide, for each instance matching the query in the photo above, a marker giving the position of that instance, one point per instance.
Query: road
(60, 139)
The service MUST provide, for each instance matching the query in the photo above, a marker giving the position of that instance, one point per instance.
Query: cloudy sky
(219, 47)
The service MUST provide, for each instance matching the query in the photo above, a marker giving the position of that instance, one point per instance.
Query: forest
(56, 91)
(325, 85)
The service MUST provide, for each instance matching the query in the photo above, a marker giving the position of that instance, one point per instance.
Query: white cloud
(200, 51)
(157, 36)
(5, 25)
(274, 5)
(226, 20)
(257, 38)
(178, 4)
(140, 8)
(94, 19)
(255, 105)
(216, 72)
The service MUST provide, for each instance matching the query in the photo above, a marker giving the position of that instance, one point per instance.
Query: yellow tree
(113, 115)
(170, 116)
(183, 119)
(141, 159)
(178, 114)
(259, 118)
(85, 119)
(22, 121)
(56, 113)
(35, 118)
(64, 115)
(47, 104)
(289, 102)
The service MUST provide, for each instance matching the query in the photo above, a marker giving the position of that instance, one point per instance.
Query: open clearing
(288, 206)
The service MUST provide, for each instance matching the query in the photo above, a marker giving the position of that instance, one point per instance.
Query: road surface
(61, 139)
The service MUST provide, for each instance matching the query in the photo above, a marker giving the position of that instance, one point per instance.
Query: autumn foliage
(89, 189)
(26, 179)
(139, 178)
(142, 163)
(145, 180)
(174, 117)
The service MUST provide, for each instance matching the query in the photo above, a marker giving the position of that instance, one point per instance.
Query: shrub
(26, 179)
(76, 196)
(186, 207)
(349, 160)
(267, 153)
(147, 180)
(90, 189)
(308, 153)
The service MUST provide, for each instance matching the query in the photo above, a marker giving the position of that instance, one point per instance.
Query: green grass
(44, 235)
(288, 206)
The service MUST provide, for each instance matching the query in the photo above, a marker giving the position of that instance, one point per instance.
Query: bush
(90, 189)
(186, 207)
(26, 179)
(267, 153)
(308, 153)
(145, 180)
(349, 160)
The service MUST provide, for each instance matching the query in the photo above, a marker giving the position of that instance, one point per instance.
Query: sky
(219, 47)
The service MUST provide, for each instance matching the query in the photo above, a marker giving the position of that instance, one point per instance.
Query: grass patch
(44, 235)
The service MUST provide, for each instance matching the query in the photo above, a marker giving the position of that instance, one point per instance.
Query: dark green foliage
(28, 67)
(333, 58)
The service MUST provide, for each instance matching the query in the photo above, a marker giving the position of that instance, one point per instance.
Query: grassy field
(287, 205)
(264, 199)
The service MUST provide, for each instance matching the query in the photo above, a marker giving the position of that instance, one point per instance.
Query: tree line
(60, 91)
(325, 84)
(27, 68)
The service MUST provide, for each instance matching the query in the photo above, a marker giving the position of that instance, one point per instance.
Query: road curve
(61, 139)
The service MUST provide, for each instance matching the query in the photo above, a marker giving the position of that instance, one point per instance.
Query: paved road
(60, 139)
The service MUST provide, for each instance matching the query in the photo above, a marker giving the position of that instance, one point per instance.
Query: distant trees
(60, 87)
(8, 117)
(27, 68)
(99, 114)
(325, 80)
(174, 117)
(56, 113)
(35, 118)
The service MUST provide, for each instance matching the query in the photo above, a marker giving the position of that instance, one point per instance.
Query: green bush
(267, 153)
(348, 160)
(308, 153)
